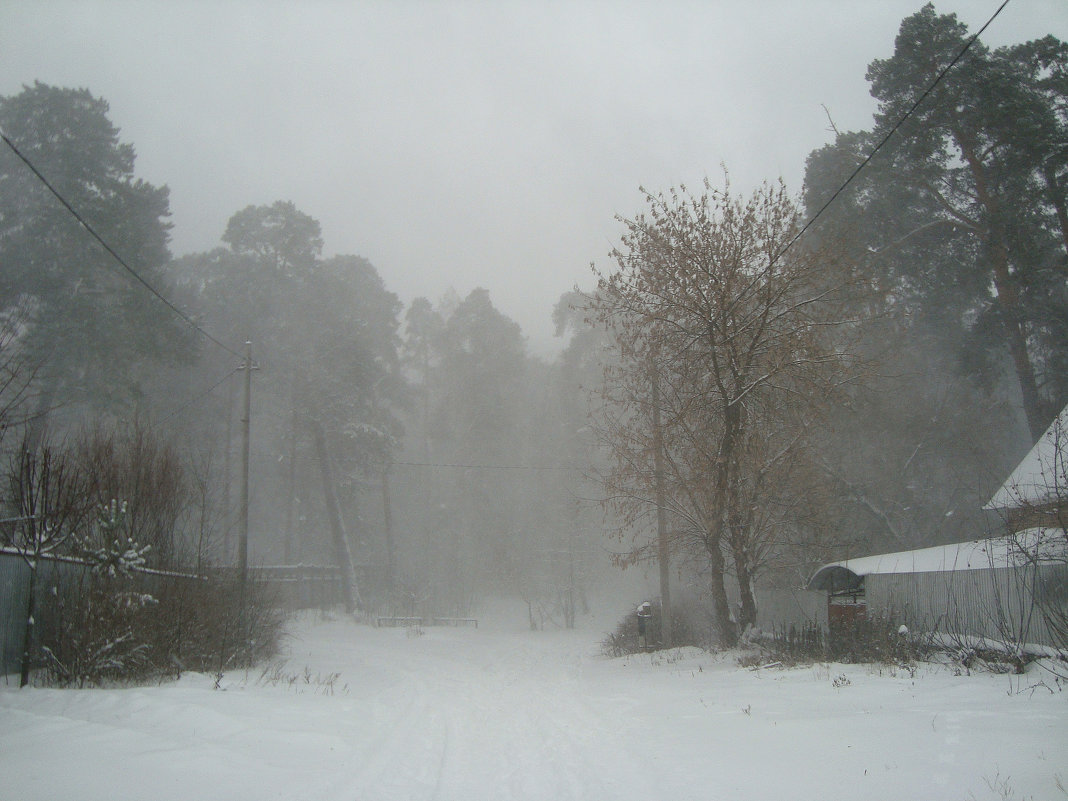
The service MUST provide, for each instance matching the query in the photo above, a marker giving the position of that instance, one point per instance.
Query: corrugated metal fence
(52, 575)
(1000, 604)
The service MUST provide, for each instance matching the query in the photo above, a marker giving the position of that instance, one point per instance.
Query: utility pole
(227, 553)
(242, 548)
(663, 551)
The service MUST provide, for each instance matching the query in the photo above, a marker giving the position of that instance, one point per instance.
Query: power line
(200, 396)
(110, 250)
(885, 139)
(487, 467)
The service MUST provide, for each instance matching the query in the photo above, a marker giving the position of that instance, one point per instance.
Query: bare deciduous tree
(47, 511)
(135, 466)
(745, 342)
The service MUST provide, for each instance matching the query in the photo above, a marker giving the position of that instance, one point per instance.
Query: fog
(447, 400)
(398, 206)
(466, 144)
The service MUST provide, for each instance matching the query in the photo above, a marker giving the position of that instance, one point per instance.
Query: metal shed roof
(1046, 546)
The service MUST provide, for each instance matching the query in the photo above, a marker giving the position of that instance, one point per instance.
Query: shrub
(788, 644)
(103, 629)
(689, 626)
(874, 639)
(95, 634)
(112, 504)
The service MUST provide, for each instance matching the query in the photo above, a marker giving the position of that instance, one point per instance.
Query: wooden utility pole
(227, 553)
(663, 551)
(246, 442)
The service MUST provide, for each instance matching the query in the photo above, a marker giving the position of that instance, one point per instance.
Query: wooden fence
(302, 586)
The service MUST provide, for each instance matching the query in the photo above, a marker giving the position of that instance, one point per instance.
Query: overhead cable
(111, 250)
(893, 130)
(489, 466)
(199, 396)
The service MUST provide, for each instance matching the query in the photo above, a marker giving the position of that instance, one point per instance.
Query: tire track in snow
(467, 712)
(411, 740)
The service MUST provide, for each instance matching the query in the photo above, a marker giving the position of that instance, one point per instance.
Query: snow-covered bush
(212, 625)
(150, 479)
(124, 607)
(789, 645)
(95, 633)
(873, 640)
(113, 552)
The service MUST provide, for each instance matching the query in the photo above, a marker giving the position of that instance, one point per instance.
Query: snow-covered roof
(1042, 476)
(1042, 545)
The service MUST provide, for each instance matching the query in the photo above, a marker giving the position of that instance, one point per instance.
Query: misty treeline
(421, 449)
(761, 401)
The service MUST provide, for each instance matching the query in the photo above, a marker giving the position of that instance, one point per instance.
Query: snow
(501, 712)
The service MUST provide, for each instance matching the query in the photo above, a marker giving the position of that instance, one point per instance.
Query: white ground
(501, 712)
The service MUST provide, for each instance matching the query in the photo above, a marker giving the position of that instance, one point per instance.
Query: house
(1009, 589)
(1036, 492)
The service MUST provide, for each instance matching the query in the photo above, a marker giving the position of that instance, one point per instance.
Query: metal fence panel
(14, 595)
(996, 604)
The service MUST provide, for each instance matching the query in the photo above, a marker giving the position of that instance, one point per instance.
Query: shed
(981, 589)
(1008, 588)
(1023, 548)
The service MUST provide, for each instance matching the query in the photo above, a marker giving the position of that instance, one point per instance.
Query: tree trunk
(745, 584)
(1008, 295)
(337, 526)
(228, 477)
(27, 634)
(663, 551)
(291, 489)
(1009, 300)
(1056, 195)
(721, 512)
(721, 608)
(387, 513)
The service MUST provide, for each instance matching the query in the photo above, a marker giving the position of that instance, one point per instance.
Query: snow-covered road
(500, 712)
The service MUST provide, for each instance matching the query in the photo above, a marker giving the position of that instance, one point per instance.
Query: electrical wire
(111, 250)
(199, 397)
(893, 130)
(489, 466)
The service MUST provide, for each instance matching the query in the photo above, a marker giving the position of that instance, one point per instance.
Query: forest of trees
(738, 396)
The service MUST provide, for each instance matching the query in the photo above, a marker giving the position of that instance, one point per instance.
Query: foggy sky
(464, 144)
